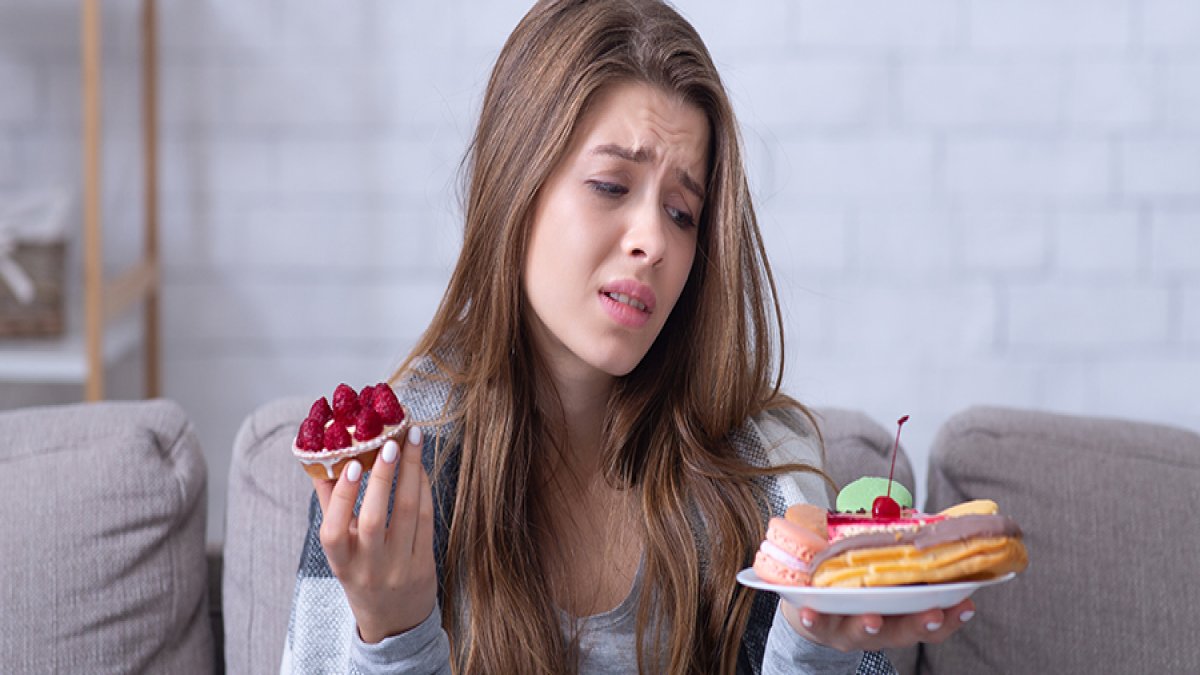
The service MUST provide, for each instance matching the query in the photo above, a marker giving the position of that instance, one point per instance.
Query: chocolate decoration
(945, 531)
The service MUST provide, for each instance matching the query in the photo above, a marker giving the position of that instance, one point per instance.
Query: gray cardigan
(322, 637)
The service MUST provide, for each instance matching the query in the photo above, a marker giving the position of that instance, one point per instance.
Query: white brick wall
(878, 24)
(1162, 167)
(966, 201)
(980, 93)
(1098, 244)
(1170, 25)
(1085, 26)
(1190, 318)
(1096, 319)
(856, 168)
(993, 168)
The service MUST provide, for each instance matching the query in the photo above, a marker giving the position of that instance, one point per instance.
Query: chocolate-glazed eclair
(971, 546)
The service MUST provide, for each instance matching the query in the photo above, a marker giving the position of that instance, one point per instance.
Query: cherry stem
(899, 424)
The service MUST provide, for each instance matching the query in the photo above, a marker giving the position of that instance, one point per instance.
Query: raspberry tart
(355, 427)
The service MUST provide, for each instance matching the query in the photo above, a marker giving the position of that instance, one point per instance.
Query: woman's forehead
(640, 122)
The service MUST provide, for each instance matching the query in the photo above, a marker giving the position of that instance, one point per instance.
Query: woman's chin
(620, 366)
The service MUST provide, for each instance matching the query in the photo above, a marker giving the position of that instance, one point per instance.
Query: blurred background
(965, 201)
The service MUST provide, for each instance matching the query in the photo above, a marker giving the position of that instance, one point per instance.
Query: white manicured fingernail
(806, 621)
(390, 450)
(932, 626)
(966, 616)
(414, 436)
(872, 630)
(354, 471)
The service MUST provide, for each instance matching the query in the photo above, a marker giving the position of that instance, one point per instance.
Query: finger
(323, 488)
(933, 620)
(954, 618)
(372, 515)
(408, 494)
(833, 630)
(336, 523)
(964, 610)
(809, 617)
(871, 624)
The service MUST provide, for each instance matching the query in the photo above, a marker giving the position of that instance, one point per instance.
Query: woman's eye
(608, 189)
(680, 217)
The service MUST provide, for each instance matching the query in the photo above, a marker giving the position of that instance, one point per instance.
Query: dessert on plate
(873, 539)
(355, 426)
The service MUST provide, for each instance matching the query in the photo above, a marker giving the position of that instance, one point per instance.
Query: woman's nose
(644, 238)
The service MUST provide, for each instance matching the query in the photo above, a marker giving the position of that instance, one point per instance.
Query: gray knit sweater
(322, 637)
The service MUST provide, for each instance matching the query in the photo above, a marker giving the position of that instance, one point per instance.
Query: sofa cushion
(1108, 508)
(103, 561)
(266, 521)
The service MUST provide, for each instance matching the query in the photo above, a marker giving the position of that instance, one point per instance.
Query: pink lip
(622, 313)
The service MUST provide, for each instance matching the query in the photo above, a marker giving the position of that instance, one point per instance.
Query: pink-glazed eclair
(785, 556)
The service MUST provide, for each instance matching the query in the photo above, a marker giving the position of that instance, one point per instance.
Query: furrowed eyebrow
(644, 155)
(614, 150)
(690, 185)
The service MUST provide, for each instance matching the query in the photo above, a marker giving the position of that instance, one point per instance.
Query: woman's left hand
(872, 632)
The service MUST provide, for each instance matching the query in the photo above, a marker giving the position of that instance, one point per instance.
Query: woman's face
(614, 230)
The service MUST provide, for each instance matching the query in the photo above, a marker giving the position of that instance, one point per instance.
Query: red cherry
(885, 507)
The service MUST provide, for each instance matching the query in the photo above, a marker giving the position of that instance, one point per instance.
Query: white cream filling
(783, 557)
(843, 531)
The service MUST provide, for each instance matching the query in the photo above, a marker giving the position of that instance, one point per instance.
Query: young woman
(602, 434)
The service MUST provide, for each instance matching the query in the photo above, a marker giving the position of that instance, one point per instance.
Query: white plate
(879, 600)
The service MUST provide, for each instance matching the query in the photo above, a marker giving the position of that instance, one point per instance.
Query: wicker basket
(43, 317)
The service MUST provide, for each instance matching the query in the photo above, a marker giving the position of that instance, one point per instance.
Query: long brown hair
(666, 433)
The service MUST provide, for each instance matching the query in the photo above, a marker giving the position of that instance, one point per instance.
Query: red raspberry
(367, 425)
(387, 405)
(345, 402)
(336, 437)
(366, 397)
(320, 411)
(311, 437)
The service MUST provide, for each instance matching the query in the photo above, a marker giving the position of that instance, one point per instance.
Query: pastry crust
(975, 559)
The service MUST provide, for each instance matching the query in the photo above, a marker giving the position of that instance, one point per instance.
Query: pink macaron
(785, 556)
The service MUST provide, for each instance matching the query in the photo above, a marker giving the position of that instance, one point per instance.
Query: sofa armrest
(104, 565)
(1105, 506)
(266, 522)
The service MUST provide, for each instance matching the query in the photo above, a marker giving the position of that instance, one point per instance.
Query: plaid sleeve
(321, 627)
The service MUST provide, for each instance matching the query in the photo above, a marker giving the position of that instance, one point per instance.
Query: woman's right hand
(387, 570)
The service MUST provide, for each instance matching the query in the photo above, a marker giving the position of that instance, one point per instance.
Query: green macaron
(859, 495)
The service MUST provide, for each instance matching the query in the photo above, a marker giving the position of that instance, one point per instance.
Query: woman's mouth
(632, 302)
(624, 310)
(628, 301)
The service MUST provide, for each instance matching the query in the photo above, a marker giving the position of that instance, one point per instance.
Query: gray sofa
(104, 568)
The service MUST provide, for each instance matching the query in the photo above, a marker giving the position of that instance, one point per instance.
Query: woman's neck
(583, 398)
